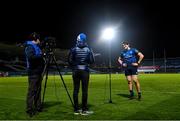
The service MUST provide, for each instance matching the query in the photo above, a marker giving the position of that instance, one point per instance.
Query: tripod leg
(54, 59)
(45, 71)
(45, 86)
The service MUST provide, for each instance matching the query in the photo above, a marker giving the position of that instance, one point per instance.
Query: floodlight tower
(108, 35)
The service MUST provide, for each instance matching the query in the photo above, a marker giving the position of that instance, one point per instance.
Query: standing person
(79, 59)
(35, 66)
(130, 59)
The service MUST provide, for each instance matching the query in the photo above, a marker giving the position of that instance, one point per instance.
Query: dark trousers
(83, 76)
(34, 92)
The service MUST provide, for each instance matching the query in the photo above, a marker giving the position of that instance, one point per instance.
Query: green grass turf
(160, 98)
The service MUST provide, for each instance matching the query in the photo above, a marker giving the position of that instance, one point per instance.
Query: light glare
(108, 34)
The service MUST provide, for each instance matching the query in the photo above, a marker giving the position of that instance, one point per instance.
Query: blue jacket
(34, 57)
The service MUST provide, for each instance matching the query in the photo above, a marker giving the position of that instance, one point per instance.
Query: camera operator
(79, 58)
(35, 66)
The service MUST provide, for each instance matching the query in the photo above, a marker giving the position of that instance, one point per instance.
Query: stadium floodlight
(108, 34)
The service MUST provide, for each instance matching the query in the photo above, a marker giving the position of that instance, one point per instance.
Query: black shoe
(139, 97)
(131, 96)
(39, 109)
(30, 113)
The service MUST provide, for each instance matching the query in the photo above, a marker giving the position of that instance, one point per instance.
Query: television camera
(48, 44)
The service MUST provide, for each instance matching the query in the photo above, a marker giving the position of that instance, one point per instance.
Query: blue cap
(81, 37)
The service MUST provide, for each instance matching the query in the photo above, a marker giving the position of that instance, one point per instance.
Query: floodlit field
(160, 98)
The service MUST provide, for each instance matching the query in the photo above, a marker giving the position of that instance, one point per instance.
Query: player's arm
(141, 56)
(120, 60)
(91, 57)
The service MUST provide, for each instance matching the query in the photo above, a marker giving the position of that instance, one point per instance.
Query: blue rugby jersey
(129, 56)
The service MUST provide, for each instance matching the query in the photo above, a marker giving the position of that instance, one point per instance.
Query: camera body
(48, 44)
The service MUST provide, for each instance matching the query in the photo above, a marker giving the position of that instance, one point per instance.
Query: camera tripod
(50, 57)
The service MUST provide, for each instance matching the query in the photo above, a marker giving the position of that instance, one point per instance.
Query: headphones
(34, 36)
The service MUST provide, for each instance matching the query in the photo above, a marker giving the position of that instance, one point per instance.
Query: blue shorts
(131, 71)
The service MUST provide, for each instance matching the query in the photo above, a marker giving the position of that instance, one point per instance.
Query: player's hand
(120, 61)
(124, 65)
(135, 64)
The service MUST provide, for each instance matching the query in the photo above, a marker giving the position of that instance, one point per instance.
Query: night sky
(148, 25)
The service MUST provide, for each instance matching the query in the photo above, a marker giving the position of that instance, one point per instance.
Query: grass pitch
(160, 98)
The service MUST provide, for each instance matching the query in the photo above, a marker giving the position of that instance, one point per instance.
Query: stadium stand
(160, 65)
